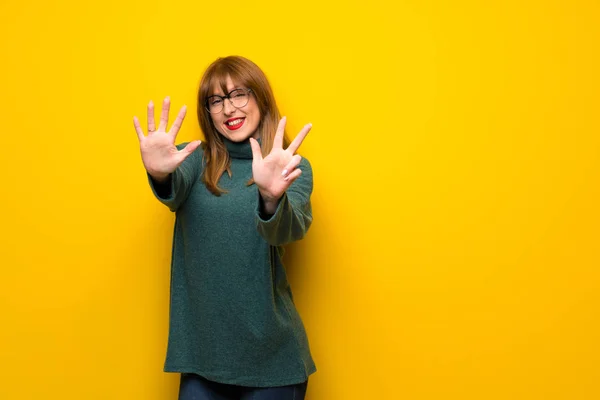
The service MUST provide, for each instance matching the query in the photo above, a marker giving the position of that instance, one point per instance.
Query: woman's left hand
(276, 172)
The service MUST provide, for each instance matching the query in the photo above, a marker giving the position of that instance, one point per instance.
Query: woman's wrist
(158, 177)
(269, 203)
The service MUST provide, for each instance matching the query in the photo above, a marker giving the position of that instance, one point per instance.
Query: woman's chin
(237, 136)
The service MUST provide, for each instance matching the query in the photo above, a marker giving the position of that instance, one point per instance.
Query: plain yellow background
(455, 248)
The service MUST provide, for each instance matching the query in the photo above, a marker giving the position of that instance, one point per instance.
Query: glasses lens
(239, 97)
(214, 104)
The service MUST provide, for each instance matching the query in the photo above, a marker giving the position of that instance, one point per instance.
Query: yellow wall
(456, 149)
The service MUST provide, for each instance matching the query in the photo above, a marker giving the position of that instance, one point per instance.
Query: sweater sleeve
(176, 189)
(293, 215)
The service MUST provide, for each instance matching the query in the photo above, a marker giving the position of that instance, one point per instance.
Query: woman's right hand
(159, 154)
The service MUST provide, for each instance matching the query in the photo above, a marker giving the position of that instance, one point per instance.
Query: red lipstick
(236, 126)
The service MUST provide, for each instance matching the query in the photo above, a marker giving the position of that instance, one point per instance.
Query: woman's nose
(228, 107)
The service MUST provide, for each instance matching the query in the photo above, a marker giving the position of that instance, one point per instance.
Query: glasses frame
(228, 97)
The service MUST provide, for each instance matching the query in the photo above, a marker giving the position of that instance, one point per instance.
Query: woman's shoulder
(305, 165)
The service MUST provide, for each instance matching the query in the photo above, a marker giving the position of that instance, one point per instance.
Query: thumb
(192, 146)
(256, 152)
(189, 149)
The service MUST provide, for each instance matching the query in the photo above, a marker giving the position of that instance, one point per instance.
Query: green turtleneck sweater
(232, 313)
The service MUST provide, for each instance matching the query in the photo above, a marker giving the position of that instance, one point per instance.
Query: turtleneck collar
(241, 150)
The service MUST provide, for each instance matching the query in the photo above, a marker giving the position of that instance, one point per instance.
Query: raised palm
(274, 173)
(159, 153)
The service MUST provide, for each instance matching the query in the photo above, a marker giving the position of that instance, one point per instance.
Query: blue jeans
(196, 387)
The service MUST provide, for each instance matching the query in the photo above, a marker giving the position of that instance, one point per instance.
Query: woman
(239, 197)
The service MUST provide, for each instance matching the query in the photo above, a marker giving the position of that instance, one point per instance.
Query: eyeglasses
(237, 97)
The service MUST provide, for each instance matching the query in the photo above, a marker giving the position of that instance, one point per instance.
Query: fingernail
(151, 103)
(167, 98)
(284, 172)
(310, 124)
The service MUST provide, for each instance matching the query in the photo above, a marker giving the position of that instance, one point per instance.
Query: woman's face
(236, 123)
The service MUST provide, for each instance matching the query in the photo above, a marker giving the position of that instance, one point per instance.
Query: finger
(138, 128)
(151, 126)
(178, 121)
(256, 153)
(294, 162)
(188, 149)
(164, 115)
(278, 141)
(293, 147)
(293, 175)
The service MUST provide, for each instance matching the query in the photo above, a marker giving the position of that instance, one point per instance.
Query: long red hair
(247, 74)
